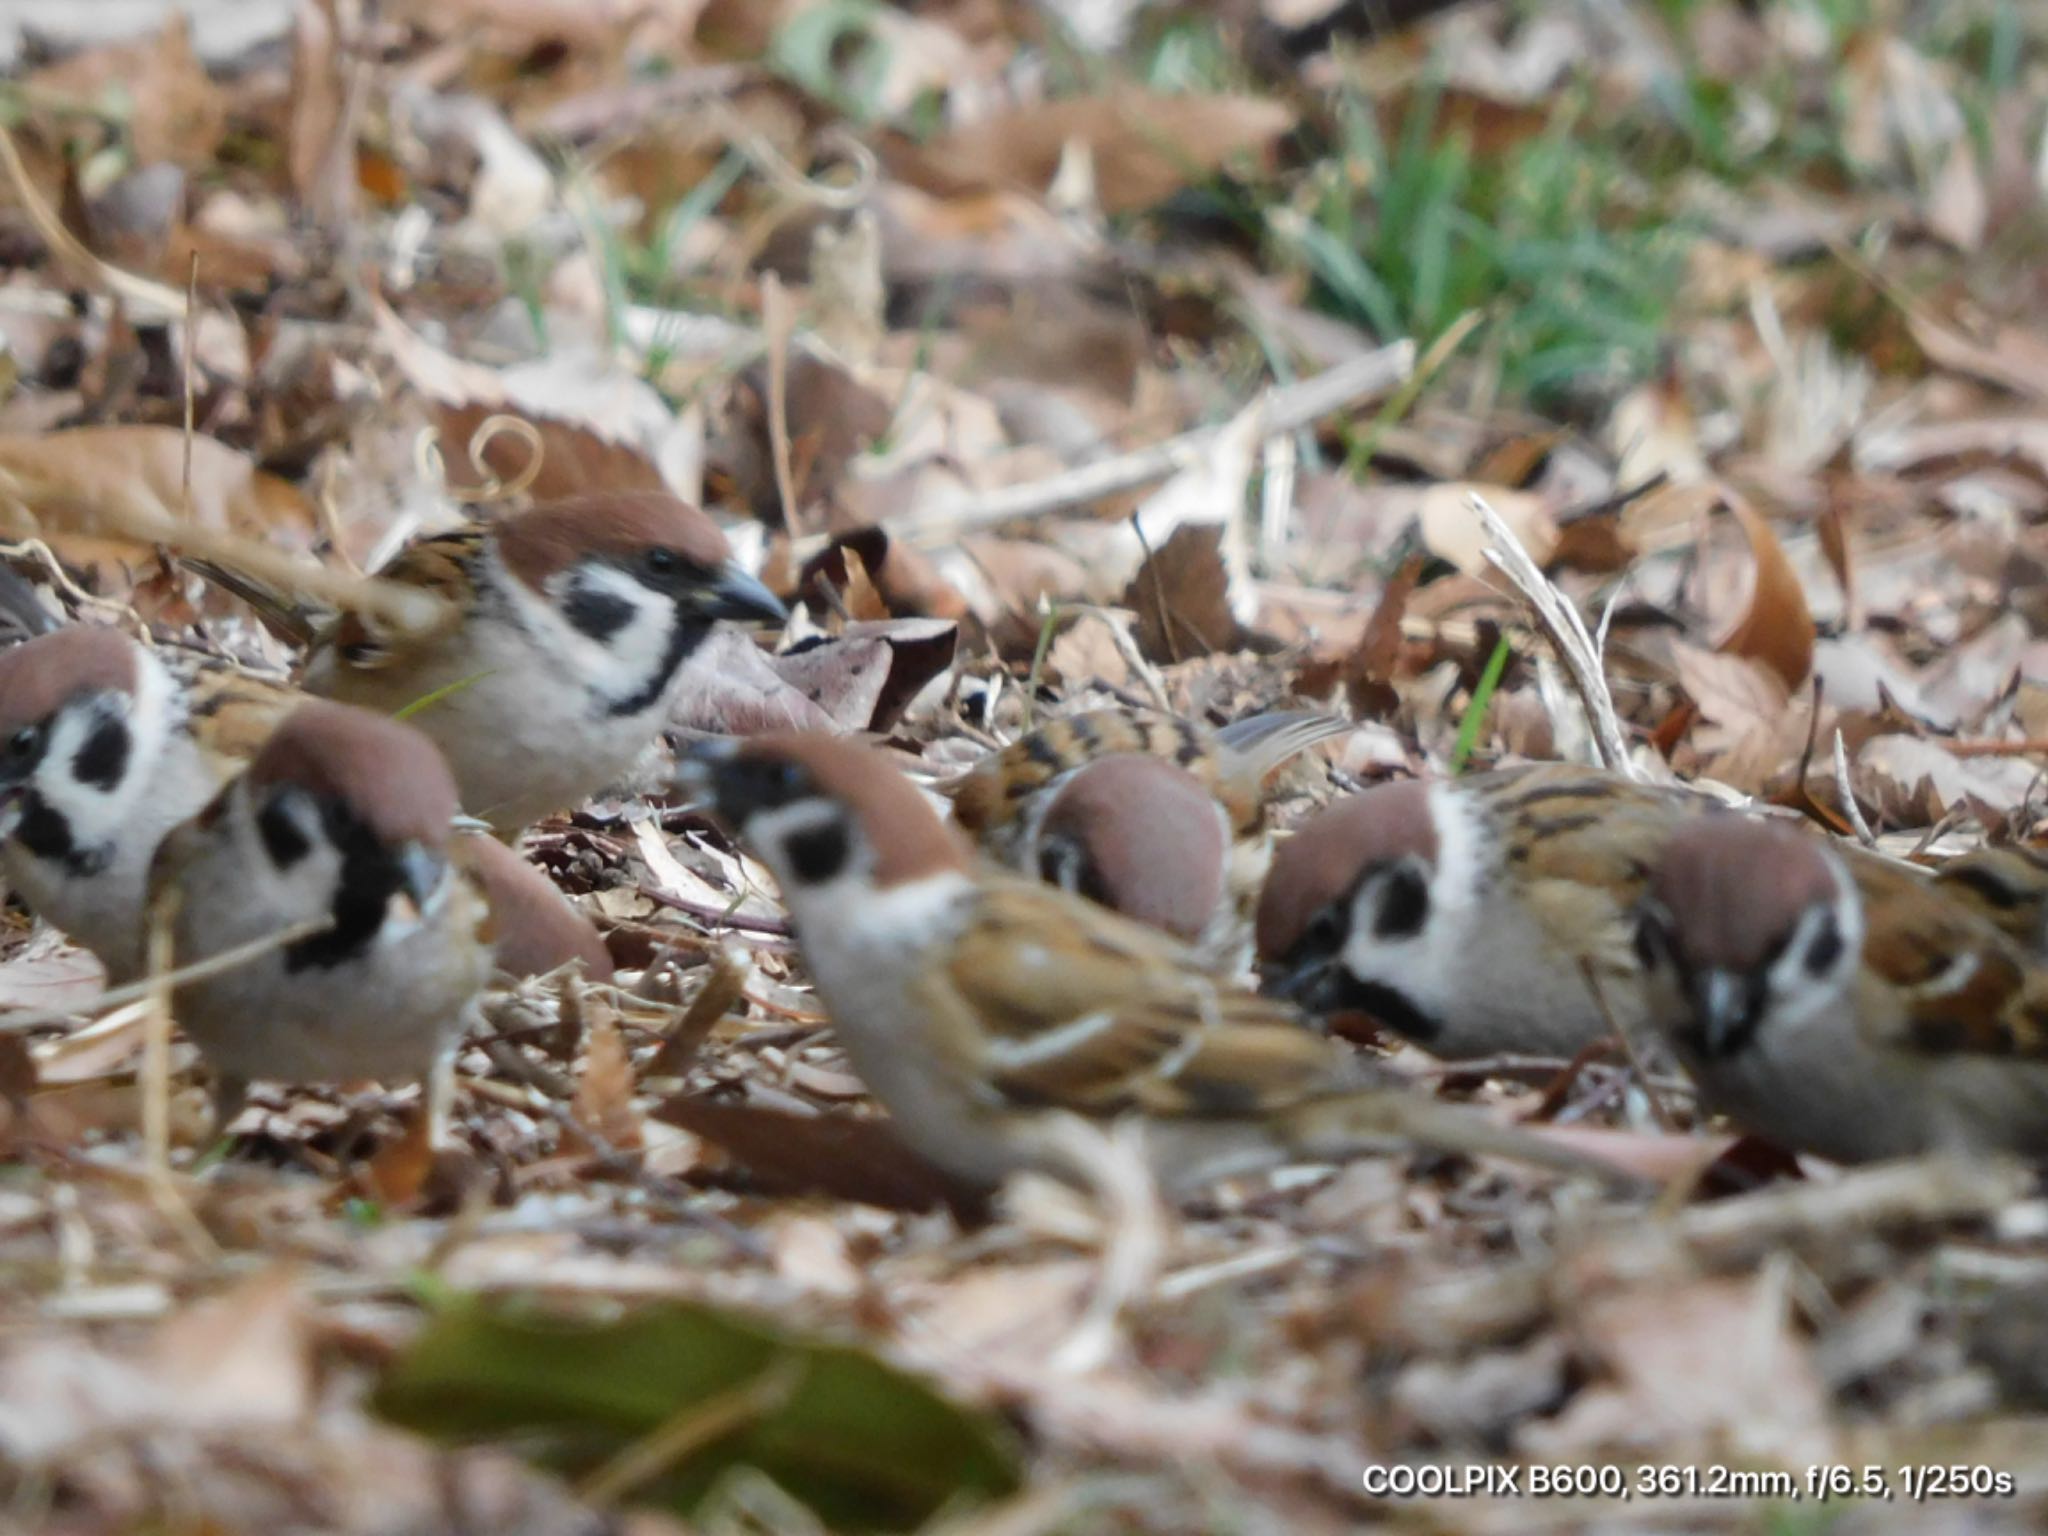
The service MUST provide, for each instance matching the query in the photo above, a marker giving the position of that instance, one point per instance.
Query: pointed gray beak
(736, 595)
(1721, 1012)
(420, 870)
(699, 771)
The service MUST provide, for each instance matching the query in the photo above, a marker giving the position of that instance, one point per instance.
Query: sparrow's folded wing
(1078, 1008)
(1963, 986)
(231, 712)
(441, 565)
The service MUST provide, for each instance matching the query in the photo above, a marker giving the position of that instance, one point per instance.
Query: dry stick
(123, 514)
(2028, 746)
(68, 251)
(778, 323)
(1658, 1112)
(156, 1083)
(1287, 410)
(1560, 621)
(1843, 788)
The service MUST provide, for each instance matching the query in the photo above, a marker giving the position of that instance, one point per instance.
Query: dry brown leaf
(1777, 629)
(320, 137)
(1452, 531)
(731, 687)
(1916, 782)
(604, 1089)
(176, 113)
(1146, 146)
(1181, 596)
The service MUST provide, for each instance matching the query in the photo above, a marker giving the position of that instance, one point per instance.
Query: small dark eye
(1404, 904)
(1826, 947)
(1325, 936)
(25, 742)
(661, 562)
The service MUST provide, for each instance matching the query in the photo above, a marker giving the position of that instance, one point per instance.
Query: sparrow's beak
(1318, 985)
(702, 774)
(733, 594)
(420, 872)
(1721, 1010)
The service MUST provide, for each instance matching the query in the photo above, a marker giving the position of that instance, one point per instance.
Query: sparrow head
(1349, 902)
(821, 811)
(69, 703)
(344, 812)
(1747, 920)
(1139, 835)
(635, 580)
(533, 928)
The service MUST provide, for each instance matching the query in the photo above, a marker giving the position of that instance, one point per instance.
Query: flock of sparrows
(1075, 941)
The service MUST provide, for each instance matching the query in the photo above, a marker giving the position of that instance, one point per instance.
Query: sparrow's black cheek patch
(282, 839)
(1403, 905)
(596, 612)
(818, 854)
(104, 756)
(1389, 1007)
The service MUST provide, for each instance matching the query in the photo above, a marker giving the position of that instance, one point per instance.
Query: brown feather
(538, 543)
(39, 675)
(1033, 965)
(1151, 840)
(908, 838)
(533, 929)
(385, 772)
(1334, 849)
(1737, 885)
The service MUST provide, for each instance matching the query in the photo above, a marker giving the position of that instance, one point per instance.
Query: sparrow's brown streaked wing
(992, 793)
(231, 712)
(442, 565)
(2008, 887)
(1965, 987)
(1078, 1008)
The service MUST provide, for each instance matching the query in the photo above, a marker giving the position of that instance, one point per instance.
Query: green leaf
(867, 1446)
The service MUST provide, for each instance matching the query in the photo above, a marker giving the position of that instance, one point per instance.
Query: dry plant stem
(1560, 621)
(2029, 746)
(427, 459)
(1658, 1112)
(198, 970)
(1728, 1234)
(1287, 410)
(155, 1085)
(1843, 788)
(1111, 1165)
(779, 324)
(124, 515)
(141, 292)
(724, 987)
(696, 1425)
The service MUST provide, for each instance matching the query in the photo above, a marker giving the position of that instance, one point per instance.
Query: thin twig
(1560, 621)
(779, 324)
(1287, 410)
(1658, 1112)
(1843, 788)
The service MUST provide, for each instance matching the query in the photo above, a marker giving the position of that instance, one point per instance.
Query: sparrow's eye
(661, 562)
(1404, 904)
(25, 744)
(1325, 936)
(1652, 944)
(1826, 947)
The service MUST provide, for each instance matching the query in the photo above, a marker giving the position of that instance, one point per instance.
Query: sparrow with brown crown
(1840, 1003)
(1160, 819)
(347, 820)
(562, 647)
(105, 745)
(1466, 914)
(978, 1006)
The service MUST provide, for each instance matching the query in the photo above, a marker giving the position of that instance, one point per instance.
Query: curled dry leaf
(1915, 782)
(1777, 629)
(866, 676)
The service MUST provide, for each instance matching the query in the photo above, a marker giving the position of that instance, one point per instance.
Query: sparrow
(1838, 1002)
(534, 928)
(105, 745)
(977, 1005)
(1466, 914)
(347, 819)
(561, 648)
(2008, 887)
(1158, 818)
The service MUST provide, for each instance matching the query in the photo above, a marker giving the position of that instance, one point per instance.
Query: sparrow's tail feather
(1260, 743)
(291, 622)
(1399, 1119)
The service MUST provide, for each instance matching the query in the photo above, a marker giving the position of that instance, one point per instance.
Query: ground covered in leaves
(1043, 354)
